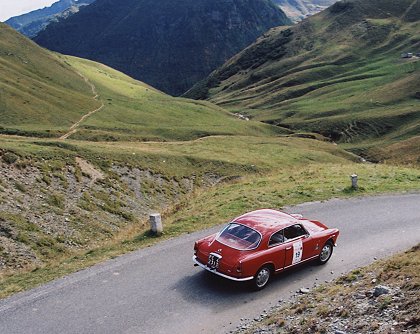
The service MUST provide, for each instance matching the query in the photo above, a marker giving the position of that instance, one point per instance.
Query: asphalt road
(157, 290)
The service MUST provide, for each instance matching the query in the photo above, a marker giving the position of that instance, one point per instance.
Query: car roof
(266, 220)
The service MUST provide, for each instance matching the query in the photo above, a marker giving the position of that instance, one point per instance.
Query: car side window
(293, 231)
(276, 238)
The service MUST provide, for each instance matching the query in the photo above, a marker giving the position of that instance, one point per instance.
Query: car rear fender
(270, 265)
(251, 264)
(331, 235)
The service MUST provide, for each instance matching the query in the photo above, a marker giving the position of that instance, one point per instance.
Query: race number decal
(297, 252)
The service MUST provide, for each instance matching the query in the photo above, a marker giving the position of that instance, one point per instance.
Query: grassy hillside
(44, 94)
(39, 94)
(338, 73)
(135, 111)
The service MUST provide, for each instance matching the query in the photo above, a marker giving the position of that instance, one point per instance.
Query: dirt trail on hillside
(409, 8)
(73, 128)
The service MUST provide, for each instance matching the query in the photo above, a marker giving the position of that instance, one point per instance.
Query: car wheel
(261, 278)
(325, 253)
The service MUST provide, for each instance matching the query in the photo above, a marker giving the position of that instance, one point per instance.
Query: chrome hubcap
(325, 253)
(263, 277)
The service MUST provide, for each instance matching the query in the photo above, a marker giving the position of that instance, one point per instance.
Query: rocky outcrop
(297, 10)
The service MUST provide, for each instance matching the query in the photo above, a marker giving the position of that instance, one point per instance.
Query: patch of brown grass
(348, 302)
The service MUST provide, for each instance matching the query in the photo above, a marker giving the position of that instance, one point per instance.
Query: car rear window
(239, 236)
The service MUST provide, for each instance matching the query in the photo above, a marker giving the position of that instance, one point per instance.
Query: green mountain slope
(45, 94)
(168, 44)
(135, 111)
(339, 73)
(38, 92)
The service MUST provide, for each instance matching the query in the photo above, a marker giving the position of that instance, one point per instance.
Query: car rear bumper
(214, 271)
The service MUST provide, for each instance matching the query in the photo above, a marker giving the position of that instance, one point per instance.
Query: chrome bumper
(220, 274)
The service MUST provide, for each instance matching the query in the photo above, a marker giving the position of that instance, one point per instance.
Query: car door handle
(288, 248)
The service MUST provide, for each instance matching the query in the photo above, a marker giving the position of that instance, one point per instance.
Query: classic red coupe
(258, 244)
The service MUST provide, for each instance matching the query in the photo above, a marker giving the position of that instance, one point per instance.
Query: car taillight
(195, 248)
(239, 267)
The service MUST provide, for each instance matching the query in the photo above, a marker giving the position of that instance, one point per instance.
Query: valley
(88, 152)
(338, 73)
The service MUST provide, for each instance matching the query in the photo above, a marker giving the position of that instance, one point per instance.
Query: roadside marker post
(156, 223)
(354, 179)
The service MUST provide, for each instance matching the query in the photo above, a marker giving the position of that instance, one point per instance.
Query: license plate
(213, 262)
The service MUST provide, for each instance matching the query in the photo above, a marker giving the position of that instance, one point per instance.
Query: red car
(258, 244)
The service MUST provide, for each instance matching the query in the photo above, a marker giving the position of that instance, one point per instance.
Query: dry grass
(336, 304)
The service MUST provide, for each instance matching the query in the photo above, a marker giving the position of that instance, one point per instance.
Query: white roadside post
(354, 179)
(156, 223)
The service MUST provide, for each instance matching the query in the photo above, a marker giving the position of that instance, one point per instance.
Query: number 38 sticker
(297, 251)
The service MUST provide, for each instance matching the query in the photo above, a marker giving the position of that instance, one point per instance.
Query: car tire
(325, 253)
(261, 278)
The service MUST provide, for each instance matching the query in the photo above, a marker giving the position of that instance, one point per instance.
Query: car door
(277, 249)
(296, 245)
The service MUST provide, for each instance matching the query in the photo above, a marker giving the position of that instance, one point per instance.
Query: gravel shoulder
(379, 298)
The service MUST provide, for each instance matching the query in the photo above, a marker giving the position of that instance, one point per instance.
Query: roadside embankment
(380, 298)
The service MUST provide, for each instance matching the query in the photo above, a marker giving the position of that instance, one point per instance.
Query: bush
(10, 158)
(56, 200)
(20, 187)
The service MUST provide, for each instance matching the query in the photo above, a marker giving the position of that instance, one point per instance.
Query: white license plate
(213, 262)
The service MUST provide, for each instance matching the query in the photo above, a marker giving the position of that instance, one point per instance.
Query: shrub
(20, 187)
(56, 200)
(10, 158)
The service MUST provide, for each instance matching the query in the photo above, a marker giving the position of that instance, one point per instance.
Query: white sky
(10, 8)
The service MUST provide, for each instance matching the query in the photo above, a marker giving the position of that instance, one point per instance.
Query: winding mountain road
(157, 290)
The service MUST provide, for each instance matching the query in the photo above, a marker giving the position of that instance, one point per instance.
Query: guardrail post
(354, 179)
(156, 223)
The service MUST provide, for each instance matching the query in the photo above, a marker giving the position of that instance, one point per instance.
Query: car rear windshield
(239, 237)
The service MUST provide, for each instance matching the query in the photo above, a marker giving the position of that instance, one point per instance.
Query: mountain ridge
(165, 44)
(30, 24)
(297, 10)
